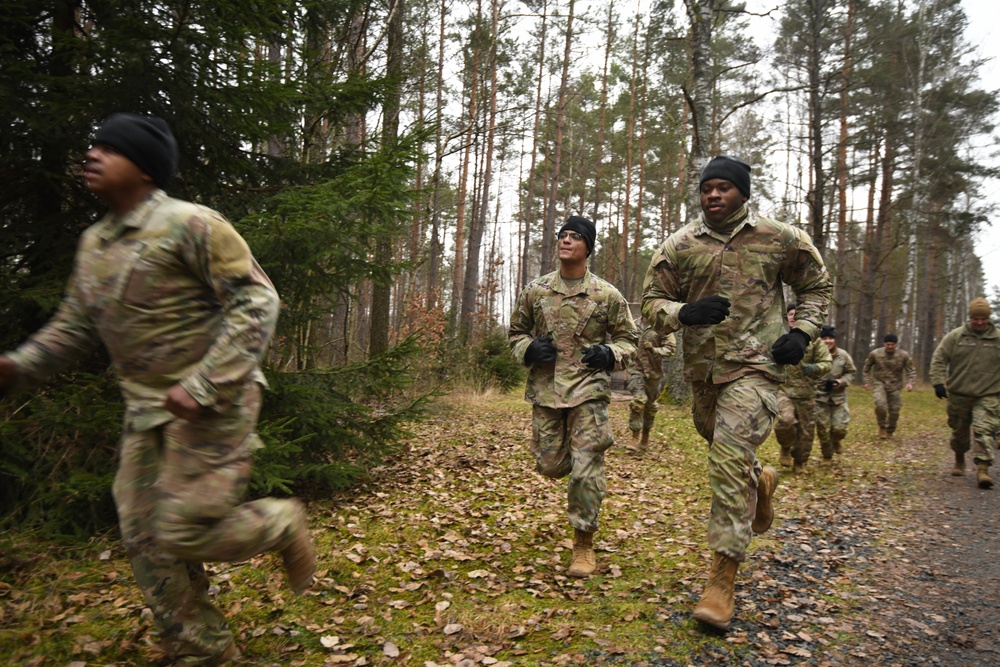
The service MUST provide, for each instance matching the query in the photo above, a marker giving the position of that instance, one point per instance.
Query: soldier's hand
(810, 370)
(830, 385)
(540, 351)
(648, 344)
(940, 391)
(790, 347)
(599, 358)
(710, 310)
(182, 404)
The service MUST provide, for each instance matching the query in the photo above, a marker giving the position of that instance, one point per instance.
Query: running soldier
(720, 277)
(558, 330)
(885, 372)
(832, 414)
(171, 291)
(646, 373)
(965, 369)
(795, 428)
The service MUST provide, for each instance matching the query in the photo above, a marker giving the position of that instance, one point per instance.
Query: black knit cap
(730, 168)
(827, 332)
(584, 227)
(890, 338)
(145, 140)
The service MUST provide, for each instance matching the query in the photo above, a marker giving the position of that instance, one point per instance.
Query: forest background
(400, 169)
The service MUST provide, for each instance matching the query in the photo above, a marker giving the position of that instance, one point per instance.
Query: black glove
(710, 310)
(940, 391)
(829, 385)
(599, 357)
(790, 347)
(540, 351)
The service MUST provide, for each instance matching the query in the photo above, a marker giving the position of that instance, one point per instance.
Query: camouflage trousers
(735, 418)
(832, 418)
(177, 491)
(795, 428)
(643, 408)
(979, 416)
(887, 405)
(572, 441)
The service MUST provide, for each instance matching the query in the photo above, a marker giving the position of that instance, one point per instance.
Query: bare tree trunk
(698, 92)
(841, 291)
(548, 233)
(434, 265)
(457, 282)
(529, 197)
(608, 45)
(625, 270)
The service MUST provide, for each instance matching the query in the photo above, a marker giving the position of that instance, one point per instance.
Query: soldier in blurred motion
(646, 373)
(887, 369)
(965, 369)
(572, 329)
(720, 277)
(172, 292)
(796, 425)
(832, 414)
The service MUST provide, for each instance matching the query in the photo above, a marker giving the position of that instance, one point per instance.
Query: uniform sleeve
(661, 299)
(67, 337)
(866, 375)
(940, 360)
(667, 346)
(522, 323)
(220, 257)
(806, 274)
(823, 360)
(622, 331)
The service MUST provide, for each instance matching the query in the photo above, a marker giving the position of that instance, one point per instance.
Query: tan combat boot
(716, 605)
(837, 449)
(983, 478)
(785, 458)
(297, 553)
(799, 468)
(767, 482)
(882, 433)
(584, 561)
(959, 468)
(633, 446)
(644, 442)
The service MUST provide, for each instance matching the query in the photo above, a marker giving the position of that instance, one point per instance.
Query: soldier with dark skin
(965, 370)
(721, 277)
(795, 428)
(832, 414)
(174, 295)
(887, 369)
(572, 329)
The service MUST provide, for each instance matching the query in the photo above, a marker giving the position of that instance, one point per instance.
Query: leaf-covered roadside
(456, 552)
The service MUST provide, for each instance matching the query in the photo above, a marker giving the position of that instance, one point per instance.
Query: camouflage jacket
(967, 363)
(843, 369)
(575, 318)
(893, 370)
(748, 267)
(652, 349)
(800, 379)
(173, 293)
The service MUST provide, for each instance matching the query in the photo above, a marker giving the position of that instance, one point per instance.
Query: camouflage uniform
(832, 415)
(570, 426)
(729, 365)
(646, 374)
(174, 295)
(887, 374)
(794, 429)
(968, 364)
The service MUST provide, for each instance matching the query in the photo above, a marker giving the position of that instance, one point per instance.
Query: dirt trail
(942, 595)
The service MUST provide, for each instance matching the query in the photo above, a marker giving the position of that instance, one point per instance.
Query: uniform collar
(113, 226)
(701, 227)
(559, 285)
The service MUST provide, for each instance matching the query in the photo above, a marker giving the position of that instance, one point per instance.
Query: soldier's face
(720, 199)
(890, 347)
(791, 317)
(979, 324)
(107, 172)
(831, 343)
(572, 247)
